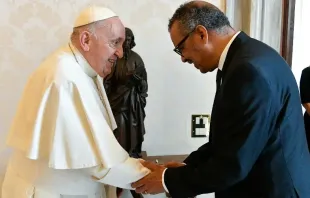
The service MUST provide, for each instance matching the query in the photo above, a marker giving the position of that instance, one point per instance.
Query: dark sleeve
(305, 86)
(140, 76)
(201, 154)
(246, 114)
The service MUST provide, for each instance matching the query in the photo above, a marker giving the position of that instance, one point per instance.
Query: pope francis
(62, 139)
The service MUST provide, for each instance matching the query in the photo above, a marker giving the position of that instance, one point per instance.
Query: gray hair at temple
(194, 13)
(91, 28)
(129, 34)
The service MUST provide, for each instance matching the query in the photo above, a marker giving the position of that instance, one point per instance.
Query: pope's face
(106, 46)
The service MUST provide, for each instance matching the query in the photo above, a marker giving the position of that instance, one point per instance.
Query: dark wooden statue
(126, 89)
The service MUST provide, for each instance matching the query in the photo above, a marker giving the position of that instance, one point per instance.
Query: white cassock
(62, 136)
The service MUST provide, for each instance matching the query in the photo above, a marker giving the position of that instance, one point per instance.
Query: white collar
(224, 53)
(82, 61)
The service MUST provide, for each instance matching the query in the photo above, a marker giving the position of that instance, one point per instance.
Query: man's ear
(85, 40)
(203, 33)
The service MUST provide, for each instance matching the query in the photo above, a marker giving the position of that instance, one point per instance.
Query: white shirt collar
(224, 53)
(83, 62)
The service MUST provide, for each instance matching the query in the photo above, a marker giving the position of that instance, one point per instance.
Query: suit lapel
(233, 49)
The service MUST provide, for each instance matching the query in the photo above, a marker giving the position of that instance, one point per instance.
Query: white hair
(91, 28)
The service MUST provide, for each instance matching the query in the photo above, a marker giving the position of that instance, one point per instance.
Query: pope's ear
(85, 40)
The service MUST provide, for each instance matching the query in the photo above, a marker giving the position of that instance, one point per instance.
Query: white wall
(301, 54)
(29, 30)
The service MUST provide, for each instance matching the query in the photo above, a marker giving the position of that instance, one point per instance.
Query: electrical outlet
(200, 125)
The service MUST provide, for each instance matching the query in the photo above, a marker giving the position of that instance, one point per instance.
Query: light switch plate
(200, 125)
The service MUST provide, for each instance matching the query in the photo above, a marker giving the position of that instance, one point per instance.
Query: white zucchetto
(93, 14)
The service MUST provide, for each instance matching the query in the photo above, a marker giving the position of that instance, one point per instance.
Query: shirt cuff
(163, 181)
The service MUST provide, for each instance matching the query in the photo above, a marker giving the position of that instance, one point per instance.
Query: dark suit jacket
(257, 147)
(305, 98)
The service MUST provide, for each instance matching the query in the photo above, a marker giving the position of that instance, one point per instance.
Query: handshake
(171, 164)
(153, 182)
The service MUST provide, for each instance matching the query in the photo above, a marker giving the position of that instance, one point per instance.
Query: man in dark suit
(257, 146)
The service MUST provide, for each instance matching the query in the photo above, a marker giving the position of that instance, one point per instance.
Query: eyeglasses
(177, 48)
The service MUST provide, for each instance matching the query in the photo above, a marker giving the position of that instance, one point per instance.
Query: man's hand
(152, 183)
(174, 164)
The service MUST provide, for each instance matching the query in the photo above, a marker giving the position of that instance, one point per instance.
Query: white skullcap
(93, 14)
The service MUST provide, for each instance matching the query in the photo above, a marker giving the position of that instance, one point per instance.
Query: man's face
(194, 47)
(106, 46)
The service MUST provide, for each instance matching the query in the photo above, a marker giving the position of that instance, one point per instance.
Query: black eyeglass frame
(177, 47)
